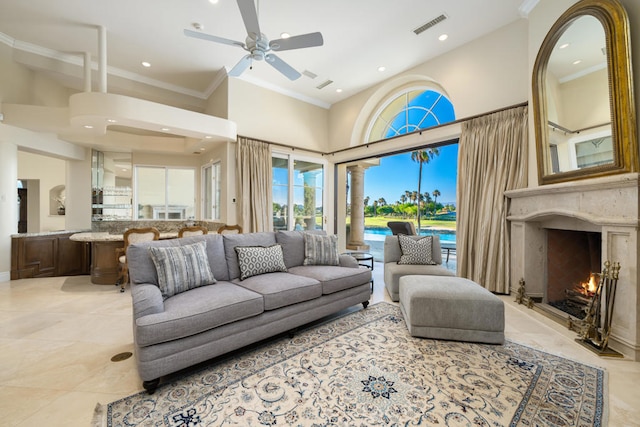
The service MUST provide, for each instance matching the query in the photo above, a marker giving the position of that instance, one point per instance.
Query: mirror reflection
(577, 99)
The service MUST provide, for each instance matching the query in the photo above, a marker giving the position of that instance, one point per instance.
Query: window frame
(135, 211)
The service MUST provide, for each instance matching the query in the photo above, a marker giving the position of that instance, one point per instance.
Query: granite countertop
(45, 233)
(107, 237)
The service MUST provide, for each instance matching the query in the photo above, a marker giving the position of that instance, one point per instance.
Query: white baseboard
(5, 276)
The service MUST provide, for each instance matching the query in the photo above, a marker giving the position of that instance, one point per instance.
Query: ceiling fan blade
(297, 42)
(282, 66)
(240, 66)
(250, 17)
(209, 37)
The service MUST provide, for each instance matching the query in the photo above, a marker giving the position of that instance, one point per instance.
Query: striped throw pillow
(320, 250)
(181, 268)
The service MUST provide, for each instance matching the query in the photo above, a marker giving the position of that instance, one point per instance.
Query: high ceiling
(359, 37)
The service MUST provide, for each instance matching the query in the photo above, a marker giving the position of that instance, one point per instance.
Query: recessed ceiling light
(285, 35)
(201, 148)
(213, 1)
(563, 46)
(146, 64)
(208, 137)
(382, 68)
(577, 61)
(443, 37)
(166, 129)
(339, 90)
(111, 121)
(88, 127)
(123, 170)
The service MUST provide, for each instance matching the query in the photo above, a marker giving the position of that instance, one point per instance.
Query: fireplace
(579, 214)
(573, 261)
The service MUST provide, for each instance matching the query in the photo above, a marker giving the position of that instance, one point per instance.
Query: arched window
(409, 111)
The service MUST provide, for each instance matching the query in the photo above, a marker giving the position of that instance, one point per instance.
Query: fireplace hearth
(607, 206)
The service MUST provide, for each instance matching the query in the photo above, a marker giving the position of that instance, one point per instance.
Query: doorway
(22, 208)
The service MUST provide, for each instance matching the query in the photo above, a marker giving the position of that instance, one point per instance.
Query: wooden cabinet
(104, 264)
(48, 255)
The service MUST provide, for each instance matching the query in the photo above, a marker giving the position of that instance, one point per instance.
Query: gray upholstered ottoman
(451, 308)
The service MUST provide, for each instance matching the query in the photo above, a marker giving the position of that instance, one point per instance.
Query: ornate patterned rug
(364, 369)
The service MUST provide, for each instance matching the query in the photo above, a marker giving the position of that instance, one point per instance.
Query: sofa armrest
(147, 299)
(348, 261)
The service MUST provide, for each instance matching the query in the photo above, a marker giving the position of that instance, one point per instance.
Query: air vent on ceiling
(424, 27)
(325, 84)
(309, 74)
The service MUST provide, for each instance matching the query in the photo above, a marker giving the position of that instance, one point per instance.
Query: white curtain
(492, 158)
(254, 185)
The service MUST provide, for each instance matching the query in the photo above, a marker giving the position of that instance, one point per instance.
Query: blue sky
(399, 173)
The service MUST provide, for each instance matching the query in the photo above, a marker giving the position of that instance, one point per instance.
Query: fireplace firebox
(574, 259)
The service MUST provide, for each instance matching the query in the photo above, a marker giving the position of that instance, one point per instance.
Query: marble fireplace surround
(608, 205)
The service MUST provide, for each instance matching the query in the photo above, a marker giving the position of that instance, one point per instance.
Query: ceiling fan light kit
(259, 46)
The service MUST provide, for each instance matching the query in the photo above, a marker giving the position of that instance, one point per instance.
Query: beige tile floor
(57, 336)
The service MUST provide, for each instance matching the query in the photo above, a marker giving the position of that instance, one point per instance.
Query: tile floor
(57, 336)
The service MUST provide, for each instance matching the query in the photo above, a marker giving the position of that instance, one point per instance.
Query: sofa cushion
(254, 260)
(416, 251)
(249, 239)
(293, 245)
(334, 279)
(143, 270)
(282, 289)
(196, 311)
(320, 250)
(181, 268)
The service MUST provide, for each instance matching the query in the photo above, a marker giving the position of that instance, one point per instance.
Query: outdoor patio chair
(402, 227)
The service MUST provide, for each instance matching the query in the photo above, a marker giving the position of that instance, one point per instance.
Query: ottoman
(451, 308)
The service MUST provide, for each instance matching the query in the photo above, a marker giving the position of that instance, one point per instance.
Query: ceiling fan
(259, 46)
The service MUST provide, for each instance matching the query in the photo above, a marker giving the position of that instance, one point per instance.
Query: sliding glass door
(298, 193)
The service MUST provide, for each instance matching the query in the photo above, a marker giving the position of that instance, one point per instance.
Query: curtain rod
(330, 153)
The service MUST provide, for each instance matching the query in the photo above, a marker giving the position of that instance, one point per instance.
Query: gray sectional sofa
(394, 271)
(192, 326)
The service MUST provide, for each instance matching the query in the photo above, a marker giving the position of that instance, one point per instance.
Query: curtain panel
(492, 158)
(253, 161)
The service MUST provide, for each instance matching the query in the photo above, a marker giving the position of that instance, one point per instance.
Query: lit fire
(589, 287)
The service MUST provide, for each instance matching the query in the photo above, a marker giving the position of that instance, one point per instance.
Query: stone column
(356, 236)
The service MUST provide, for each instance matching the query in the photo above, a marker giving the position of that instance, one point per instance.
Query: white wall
(51, 173)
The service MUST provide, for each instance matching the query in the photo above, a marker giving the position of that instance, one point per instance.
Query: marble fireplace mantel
(608, 205)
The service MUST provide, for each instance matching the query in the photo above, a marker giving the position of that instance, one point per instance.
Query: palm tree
(436, 194)
(382, 201)
(414, 196)
(366, 201)
(423, 157)
(403, 199)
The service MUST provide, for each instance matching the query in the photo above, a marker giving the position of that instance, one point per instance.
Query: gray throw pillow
(321, 250)
(181, 268)
(254, 260)
(416, 251)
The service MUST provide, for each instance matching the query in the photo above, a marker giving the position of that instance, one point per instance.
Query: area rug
(364, 369)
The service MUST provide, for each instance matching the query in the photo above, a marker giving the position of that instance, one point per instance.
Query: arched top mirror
(583, 97)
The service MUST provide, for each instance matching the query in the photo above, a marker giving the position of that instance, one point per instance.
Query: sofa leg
(365, 304)
(151, 386)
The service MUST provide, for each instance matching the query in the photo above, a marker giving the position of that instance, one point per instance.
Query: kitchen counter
(45, 233)
(108, 237)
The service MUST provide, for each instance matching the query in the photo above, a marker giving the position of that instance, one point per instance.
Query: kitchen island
(104, 264)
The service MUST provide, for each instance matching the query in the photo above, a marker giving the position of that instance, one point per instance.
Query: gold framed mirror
(583, 101)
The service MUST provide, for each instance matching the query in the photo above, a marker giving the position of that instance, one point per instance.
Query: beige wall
(263, 114)
(481, 76)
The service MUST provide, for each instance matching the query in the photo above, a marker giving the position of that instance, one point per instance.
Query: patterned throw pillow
(254, 260)
(181, 268)
(416, 251)
(320, 250)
